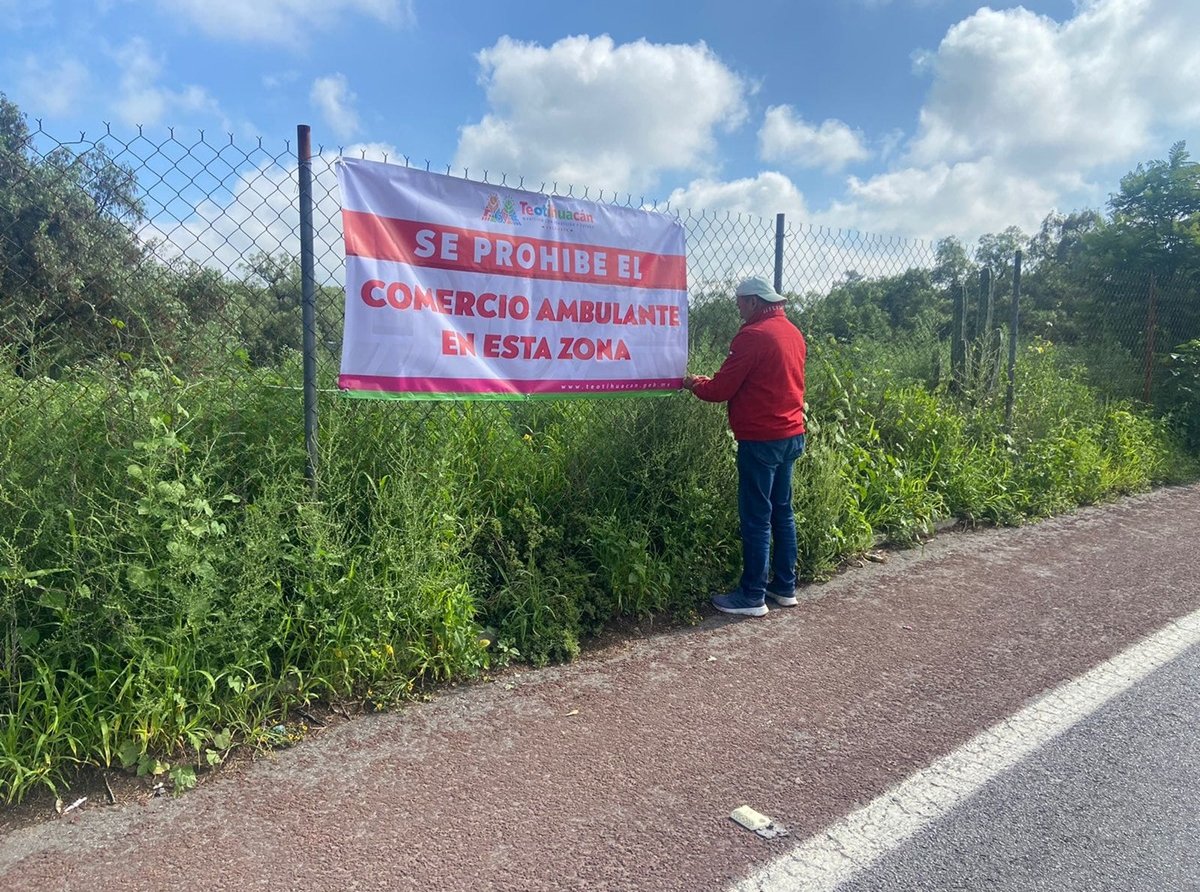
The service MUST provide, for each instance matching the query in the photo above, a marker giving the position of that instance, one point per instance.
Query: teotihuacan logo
(498, 212)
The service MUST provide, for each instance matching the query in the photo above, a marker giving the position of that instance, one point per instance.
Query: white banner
(458, 289)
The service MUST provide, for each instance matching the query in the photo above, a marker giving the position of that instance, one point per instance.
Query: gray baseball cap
(757, 286)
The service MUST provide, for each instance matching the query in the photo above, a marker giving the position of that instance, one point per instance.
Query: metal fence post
(1151, 336)
(308, 301)
(958, 338)
(1012, 344)
(779, 253)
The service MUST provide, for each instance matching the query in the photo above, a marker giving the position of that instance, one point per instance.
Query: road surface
(620, 771)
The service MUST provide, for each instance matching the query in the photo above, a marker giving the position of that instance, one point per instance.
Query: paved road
(1112, 804)
(620, 772)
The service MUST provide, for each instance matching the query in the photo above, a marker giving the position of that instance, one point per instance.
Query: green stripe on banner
(510, 397)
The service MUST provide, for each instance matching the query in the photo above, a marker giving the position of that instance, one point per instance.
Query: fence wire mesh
(167, 578)
(122, 252)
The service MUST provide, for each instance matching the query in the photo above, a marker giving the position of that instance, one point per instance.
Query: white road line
(851, 845)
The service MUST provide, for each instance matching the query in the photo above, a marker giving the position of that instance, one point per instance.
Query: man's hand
(690, 381)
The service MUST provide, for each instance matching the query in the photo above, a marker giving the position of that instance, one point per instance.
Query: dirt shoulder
(620, 771)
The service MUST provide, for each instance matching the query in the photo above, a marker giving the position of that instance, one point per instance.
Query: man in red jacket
(762, 379)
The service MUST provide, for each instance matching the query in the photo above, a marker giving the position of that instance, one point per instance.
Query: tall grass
(169, 584)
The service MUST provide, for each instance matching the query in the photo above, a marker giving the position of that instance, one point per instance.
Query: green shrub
(170, 584)
(1183, 391)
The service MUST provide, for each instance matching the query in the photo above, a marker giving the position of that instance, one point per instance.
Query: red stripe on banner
(388, 384)
(470, 250)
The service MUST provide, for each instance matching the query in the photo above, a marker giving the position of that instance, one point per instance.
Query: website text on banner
(458, 289)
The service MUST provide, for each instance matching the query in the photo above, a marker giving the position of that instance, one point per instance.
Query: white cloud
(588, 112)
(57, 86)
(785, 138)
(260, 215)
(1022, 111)
(278, 79)
(1024, 115)
(142, 101)
(966, 199)
(734, 237)
(765, 195)
(731, 226)
(1023, 87)
(284, 21)
(334, 99)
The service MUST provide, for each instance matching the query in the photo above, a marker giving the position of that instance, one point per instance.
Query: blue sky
(900, 117)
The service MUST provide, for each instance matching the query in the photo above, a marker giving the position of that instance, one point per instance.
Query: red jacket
(762, 378)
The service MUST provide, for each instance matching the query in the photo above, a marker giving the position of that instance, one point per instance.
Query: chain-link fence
(119, 251)
(167, 577)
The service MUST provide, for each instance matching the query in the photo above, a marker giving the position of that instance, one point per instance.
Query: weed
(170, 587)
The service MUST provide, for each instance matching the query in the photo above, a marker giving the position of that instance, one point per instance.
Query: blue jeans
(765, 511)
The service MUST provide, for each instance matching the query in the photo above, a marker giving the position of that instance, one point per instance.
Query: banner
(461, 290)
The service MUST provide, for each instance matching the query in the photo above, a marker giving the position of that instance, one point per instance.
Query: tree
(996, 250)
(1156, 217)
(67, 246)
(1057, 290)
(271, 315)
(1148, 256)
(864, 309)
(77, 284)
(1062, 239)
(952, 266)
